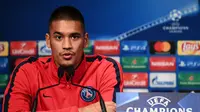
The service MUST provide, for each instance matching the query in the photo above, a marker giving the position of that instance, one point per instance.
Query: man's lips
(67, 56)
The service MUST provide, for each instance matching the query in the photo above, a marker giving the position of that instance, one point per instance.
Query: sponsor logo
(189, 79)
(3, 80)
(162, 63)
(22, 48)
(189, 47)
(125, 48)
(158, 104)
(175, 15)
(43, 49)
(163, 80)
(157, 82)
(189, 63)
(134, 63)
(162, 47)
(88, 95)
(158, 100)
(3, 48)
(106, 47)
(3, 64)
(133, 47)
(135, 79)
(89, 49)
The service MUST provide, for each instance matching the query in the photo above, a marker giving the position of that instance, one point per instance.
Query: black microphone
(60, 75)
(70, 70)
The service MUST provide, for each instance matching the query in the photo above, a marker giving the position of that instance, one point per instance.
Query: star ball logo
(156, 101)
(175, 15)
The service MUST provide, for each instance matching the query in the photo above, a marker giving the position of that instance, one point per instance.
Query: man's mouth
(67, 56)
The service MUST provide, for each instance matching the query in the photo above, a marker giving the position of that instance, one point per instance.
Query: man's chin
(66, 64)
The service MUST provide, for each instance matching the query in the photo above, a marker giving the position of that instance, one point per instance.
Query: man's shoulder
(102, 58)
(44, 60)
(32, 62)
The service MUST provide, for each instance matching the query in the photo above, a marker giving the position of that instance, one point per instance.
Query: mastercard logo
(162, 46)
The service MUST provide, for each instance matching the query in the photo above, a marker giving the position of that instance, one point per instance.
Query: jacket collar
(79, 71)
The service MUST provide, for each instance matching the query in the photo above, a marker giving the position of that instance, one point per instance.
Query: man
(67, 39)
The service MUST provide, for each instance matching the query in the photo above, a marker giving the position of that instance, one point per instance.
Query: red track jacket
(99, 72)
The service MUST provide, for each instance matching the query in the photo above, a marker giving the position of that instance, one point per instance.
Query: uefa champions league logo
(158, 104)
(158, 100)
(175, 15)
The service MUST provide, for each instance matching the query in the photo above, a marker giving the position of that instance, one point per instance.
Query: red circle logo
(162, 46)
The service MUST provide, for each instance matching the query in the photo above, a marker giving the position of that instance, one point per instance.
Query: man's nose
(67, 43)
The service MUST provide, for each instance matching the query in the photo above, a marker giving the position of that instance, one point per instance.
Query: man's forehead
(69, 33)
(66, 23)
(66, 26)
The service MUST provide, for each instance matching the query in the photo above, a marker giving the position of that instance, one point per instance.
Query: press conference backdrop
(157, 42)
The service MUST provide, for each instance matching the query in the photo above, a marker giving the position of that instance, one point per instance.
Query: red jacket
(99, 72)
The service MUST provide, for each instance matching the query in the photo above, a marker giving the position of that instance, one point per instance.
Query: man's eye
(75, 37)
(58, 37)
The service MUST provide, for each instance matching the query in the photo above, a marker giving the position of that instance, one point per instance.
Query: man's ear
(86, 40)
(47, 36)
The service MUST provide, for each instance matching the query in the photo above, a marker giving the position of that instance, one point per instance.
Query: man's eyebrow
(57, 33)
(71, 34)
(76, 33)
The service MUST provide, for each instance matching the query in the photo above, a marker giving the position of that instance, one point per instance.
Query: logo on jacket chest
(87, 95)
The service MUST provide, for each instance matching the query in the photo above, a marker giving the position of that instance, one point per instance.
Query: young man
(67, 39)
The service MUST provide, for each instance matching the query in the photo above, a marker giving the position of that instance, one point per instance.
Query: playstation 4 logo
(189, 64)
(125, 48)
(134, 48)
(182, 64)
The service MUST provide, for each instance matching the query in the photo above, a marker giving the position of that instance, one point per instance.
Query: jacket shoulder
(32, 63)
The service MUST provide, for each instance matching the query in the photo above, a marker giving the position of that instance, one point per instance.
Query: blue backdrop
(105, 19)
(22, 19)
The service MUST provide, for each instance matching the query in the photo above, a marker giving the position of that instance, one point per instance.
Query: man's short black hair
(67, 13)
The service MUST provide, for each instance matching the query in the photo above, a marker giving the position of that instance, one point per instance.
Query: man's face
(67, 41)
